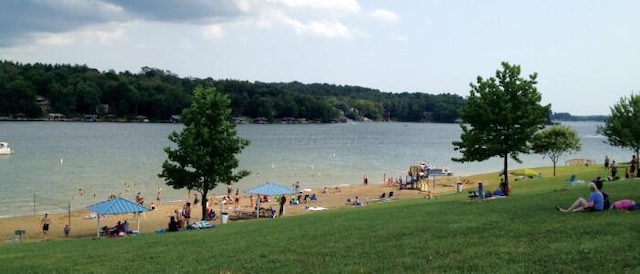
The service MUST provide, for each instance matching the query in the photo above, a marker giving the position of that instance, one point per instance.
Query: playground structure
(418, 178)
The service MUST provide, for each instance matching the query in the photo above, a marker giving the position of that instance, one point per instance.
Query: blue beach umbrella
(114, 206)
(270, 189)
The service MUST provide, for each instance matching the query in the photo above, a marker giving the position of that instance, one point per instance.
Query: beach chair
(390, 194)
(476, 194)
(212, 214)
(574, 181)
(383, 195)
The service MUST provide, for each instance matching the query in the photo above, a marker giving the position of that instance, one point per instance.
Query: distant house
(142, 118)
(174, 119)
(260, 120)
(90, 118)
(287, 120)
(56, 117)
(239, 120)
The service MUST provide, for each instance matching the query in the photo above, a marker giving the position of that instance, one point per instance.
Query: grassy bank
(522, 233)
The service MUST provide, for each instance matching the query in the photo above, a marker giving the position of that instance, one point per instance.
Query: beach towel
(202, 225)
(314, 208)
(93, 215)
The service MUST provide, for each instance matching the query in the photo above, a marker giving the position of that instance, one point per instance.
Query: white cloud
(49, 39)
(104, 35)
(99, 35)
(213, 32)
(324, 29)
(318, 24)
(336, 5)
(385, 15)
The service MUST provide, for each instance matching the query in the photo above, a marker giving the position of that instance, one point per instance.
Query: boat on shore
(5, 149)
(439, 171)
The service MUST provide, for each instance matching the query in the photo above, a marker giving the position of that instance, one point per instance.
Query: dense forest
(73, 92)
(41, 91)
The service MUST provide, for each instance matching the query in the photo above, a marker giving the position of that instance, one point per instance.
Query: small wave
(594, 136)
(5, 216)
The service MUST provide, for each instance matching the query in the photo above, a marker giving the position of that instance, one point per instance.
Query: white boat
(439, 171)
(5, 149)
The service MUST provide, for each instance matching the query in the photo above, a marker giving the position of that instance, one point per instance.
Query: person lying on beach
(595, 202)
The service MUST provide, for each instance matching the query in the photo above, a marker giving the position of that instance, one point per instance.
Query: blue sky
(586, 53)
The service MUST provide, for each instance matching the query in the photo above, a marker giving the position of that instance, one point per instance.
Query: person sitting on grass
(595, 202)
(355, 202)
(600, 184)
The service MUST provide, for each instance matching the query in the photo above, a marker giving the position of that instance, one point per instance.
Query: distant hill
(564, 116)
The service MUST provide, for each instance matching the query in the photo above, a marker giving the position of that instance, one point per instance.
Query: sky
(586, 53)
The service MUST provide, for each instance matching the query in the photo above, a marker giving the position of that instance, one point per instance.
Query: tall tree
(500, 117)
(206, 148)
(554, 141)
(622, 127)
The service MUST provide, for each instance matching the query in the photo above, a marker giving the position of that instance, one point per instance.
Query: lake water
(53, 160)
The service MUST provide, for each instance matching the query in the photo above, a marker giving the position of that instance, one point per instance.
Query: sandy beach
(83, 227)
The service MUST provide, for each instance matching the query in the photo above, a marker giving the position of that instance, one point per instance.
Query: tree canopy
(206, 148)
(554, 141)
(500, 117)
(77, 90)
(622, 127)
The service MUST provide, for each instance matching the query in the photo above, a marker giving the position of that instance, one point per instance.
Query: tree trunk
(504, 186)
(204, 205)
(636, 163)
(204, 199)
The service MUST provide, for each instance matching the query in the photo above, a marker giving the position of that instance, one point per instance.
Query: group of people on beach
(180, 218)
(119, 230)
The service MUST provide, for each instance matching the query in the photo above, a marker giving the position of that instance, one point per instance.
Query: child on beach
(45, 224)
(186, 213)
(66, 230)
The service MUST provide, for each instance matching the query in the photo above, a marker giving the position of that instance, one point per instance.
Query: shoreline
(82, 227)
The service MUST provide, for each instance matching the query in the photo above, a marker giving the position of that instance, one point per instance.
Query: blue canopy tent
(114, 206)
(270, 189)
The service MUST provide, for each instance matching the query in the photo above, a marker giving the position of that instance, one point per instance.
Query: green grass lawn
(521, 233)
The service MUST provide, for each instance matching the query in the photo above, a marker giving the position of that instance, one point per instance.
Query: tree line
(78, 90)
